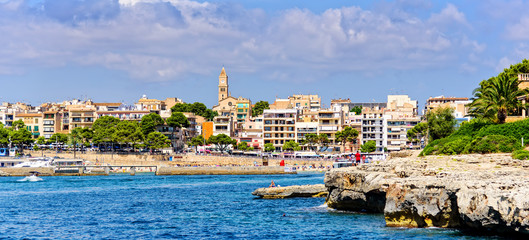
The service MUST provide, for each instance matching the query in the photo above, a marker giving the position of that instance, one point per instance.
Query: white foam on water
(30, 179)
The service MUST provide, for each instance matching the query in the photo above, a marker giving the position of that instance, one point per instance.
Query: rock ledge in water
(317, 190)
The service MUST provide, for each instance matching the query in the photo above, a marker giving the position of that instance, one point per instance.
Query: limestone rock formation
(317, 190)
(484, 192)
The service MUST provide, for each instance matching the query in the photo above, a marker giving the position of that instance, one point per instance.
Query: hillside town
(284, 120)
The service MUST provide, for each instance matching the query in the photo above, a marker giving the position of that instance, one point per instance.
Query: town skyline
(112, 51)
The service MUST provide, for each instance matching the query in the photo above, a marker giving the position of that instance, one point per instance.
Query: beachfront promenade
(189, 160)
(191, 164)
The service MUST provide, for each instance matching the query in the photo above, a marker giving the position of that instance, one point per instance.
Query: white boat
(35, 162)
(32, 178)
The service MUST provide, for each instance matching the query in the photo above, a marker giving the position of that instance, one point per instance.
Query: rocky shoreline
(488, 193)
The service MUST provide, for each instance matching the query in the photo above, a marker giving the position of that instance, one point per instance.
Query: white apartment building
(279, 126)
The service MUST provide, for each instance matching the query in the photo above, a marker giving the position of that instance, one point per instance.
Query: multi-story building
(279, 126)
(458, 104)
(374, 127)
(81, 116)
(401, 114)
(304, 128)
(33, 122)
(397, 130)
(299, 102)
(252, 132)
(223, 125)
(330, 121)
(51, 123)
(353, 120)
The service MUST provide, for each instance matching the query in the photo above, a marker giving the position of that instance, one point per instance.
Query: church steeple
(223, 85)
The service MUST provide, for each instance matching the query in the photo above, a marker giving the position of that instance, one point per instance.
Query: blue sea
(182, 207)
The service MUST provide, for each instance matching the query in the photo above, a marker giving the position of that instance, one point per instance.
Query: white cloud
(519, 30)
(166, 40)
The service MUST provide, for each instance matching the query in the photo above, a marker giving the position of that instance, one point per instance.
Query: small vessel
(34, 177)
(35, 162)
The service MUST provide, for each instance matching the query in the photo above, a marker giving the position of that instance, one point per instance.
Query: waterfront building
(353, 120)
(33, 122)
(303, 128)
(51, 123)
(374, 127)
(252, 132)
(329, 122)
(401, 114)
(279, 126)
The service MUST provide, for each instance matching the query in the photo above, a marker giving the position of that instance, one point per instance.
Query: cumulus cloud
(166, 40)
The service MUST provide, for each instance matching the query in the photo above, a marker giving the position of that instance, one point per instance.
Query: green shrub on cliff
(493, 144)
(520, 154)
(479, 136)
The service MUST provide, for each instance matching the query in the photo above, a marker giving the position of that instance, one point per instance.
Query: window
(267, 128)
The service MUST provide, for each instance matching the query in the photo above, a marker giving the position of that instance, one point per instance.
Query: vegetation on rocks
(520, 154)
(481, 136)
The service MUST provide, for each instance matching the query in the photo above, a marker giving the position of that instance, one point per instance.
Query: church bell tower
(223, 85)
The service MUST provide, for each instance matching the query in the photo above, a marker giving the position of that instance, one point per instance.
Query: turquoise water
(182, 207)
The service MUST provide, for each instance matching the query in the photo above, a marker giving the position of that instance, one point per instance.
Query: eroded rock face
(409, 205)
(482, 192)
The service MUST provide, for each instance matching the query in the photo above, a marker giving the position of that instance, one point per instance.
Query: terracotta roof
(222, 72)
(29, 115)
(108, 104)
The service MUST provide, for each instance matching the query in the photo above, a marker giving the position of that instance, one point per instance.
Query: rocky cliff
(485, 192)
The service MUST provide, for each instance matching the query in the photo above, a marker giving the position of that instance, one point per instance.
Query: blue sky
(116, 51)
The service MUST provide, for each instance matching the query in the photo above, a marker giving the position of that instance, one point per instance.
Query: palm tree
(496, 98)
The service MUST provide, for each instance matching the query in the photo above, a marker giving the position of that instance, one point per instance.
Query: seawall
(239, 170)
(487, 193)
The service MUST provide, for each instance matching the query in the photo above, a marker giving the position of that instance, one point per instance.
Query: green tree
(369, 146)
(59, 138)
(128, 132)
(197, 141)
(19, 135)
(222, 141)
(210, 114)
(4, 136)
(181, 107)
(156, 140)
(41, 141)
(311, 140)
(357, 110)
(496, 98)
(86, 135)
(259, 107)
(323, 141)
(417, 132)
(149, 122)
(348, 134)
(243, 146)
(18, 124)
(196, 108)
(104, 129)
(441, 122)
(291, 146)
(269, 147)
(177, 120)
(74, 138)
